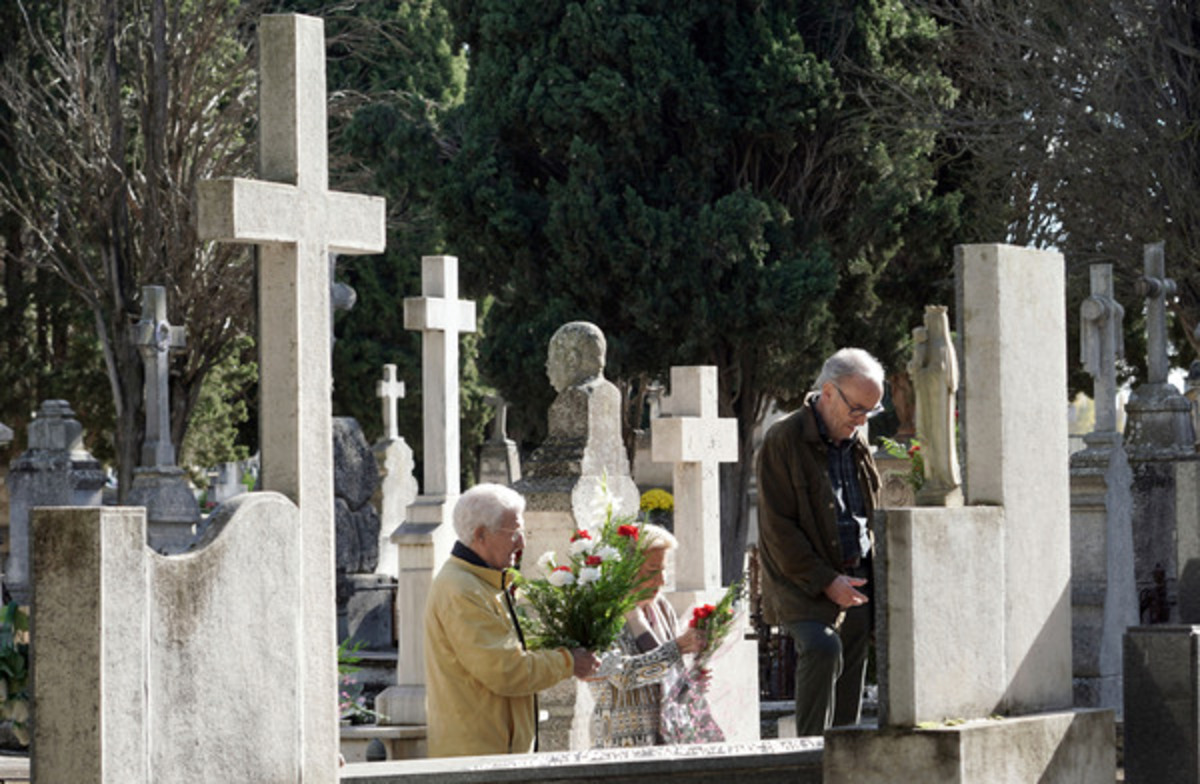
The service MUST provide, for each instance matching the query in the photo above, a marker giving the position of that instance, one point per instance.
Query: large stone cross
(1157, 288)
(695, 440)
(297, 221)
(155, 337)
(1102, 343)
(440, 316)
(390, 390)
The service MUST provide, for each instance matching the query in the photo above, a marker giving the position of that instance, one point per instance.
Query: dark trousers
(831, 666)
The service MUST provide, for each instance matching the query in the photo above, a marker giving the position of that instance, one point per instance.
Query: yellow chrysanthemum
(656, 499)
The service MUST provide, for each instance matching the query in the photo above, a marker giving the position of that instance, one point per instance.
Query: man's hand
(586, 662)
(842, 591)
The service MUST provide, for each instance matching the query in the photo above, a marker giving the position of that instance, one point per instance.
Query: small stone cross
(440, 316)
(297, 221)
(695, 440)
(1102, 343)
(155, 337)
(390, 390)
(1157, 288)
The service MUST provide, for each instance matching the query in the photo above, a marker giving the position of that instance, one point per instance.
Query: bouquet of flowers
(685, 715)
(715, 621)
(581, 603)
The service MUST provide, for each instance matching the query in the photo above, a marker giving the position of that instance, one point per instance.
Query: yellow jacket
(480, 681)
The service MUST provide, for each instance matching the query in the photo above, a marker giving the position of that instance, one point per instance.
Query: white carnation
(589, 574)
(547, 561)
(608, 553)
(560, 577)
(582, 546)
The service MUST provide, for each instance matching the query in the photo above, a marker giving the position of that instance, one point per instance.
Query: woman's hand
(691, 641)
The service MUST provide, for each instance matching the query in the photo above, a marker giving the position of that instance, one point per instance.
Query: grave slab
(1162, 704)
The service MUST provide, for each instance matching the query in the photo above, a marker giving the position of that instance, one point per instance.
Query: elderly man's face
(847, 404)
(501, 548)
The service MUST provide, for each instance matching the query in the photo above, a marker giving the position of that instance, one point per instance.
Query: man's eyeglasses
(858, 411)
(517, 534)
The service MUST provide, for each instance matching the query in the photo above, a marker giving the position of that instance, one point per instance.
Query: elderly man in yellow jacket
(481, 682)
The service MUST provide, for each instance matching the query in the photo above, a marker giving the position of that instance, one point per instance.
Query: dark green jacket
(799, 551)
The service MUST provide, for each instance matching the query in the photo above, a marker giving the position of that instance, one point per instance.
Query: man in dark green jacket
(817, 490)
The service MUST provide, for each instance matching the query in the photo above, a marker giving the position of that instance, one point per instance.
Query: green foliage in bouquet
(582, 602)
(716, 621)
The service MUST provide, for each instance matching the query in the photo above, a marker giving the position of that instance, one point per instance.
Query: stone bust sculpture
(576, 355)
(583, 445)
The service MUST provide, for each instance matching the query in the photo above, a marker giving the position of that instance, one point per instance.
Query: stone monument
(499, 460)
(158, 484)
(397, 488)
(1161, 445)
(1103, 593)
(957, 645)
(56, 470)
(568, 483)
(934, 373)
(424, 539)
(365, 598)
(141, 671)
(695, 440)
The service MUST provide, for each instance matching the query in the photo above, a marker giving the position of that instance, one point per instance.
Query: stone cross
(1157, 288)
(1102, 343)
(695, 440)
(391, 391)
(155, 337)
(297, 221)
(440, 316)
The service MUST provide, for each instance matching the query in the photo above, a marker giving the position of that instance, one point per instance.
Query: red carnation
(700, 614)
(593, 560)
(580, 534)
(628, 530)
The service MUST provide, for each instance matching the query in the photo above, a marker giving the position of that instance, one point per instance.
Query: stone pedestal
(396, 491)
(1103, 593)
(366, 610)
(940, 613)
(423, 544)
(1050, 748)
(1166, 536)
(1162, 705)
(499, 462)
(171, 509)
(56, 470)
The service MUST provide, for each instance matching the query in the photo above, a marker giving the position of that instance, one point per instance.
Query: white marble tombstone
(423, 541)
(140, 660)
(695, 440)
(397, 488)
(973, 603)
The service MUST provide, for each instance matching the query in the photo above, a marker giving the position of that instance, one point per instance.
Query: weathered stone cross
(390, 390)
(296, 221)
(155, 337)
(440, 316)
(695, 440)
(1102, 342)
(1157, 288)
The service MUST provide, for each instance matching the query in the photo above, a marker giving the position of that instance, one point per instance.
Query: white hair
(655, 537)
(849, 362)
(484, 506)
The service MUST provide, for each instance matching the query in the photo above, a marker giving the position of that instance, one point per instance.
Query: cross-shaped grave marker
(1102, 343)
(1157, 288)
(695, 440)
(440, 316)
(155, 337)
(296, 221)
(390, 390)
